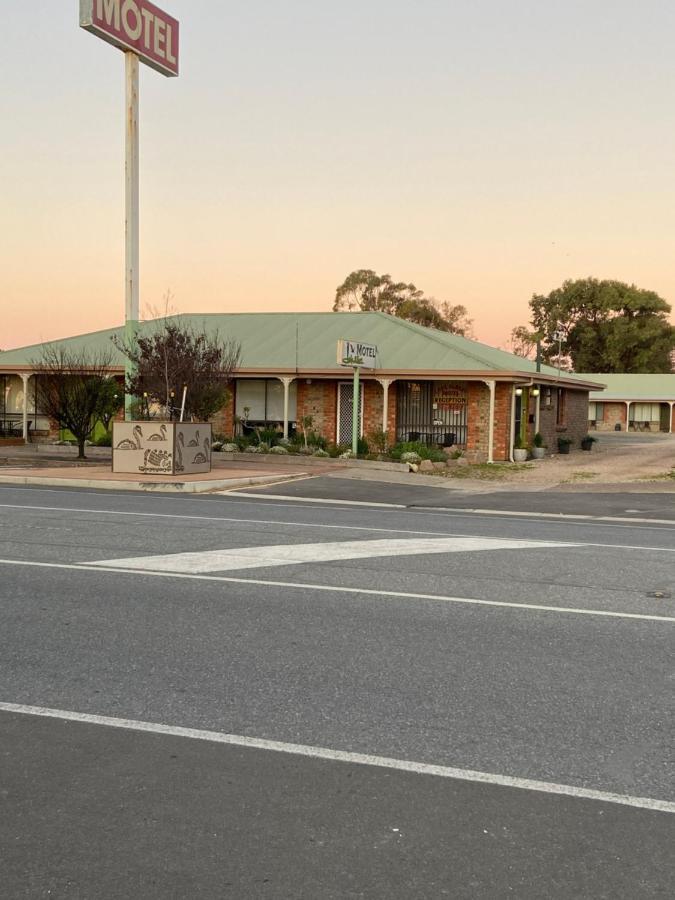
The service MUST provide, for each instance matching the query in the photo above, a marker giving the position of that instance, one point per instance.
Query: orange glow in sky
(482, 151)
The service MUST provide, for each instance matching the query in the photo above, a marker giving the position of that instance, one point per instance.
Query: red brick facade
(318, 398)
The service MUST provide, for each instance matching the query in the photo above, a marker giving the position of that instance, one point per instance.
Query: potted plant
(564, 444)
(519, 449)
(538, 446)
(587, 442)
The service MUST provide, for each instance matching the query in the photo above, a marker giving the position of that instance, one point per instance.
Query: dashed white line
(342, 756)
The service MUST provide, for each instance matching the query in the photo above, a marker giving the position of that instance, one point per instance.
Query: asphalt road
(652, 500)
(458, 704)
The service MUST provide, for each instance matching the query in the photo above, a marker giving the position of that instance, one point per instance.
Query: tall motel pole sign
(146, 34)
(356, 355)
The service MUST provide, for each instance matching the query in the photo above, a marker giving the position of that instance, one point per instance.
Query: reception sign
(135, 25)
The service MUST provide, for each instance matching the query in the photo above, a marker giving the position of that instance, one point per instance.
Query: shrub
(379, 440)
(410, 456)
(538, 440)
(229, 447)
(278, 449)
(435, 454)
(104, 441)
(319, 452)
(269, 436)
(362, 447)
(335, 450)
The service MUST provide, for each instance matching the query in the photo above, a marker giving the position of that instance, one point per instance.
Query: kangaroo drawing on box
(202, 457)
(159, 436)
(131, 443)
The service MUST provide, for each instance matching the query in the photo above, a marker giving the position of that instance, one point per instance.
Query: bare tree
(172, 355)
(71, 387)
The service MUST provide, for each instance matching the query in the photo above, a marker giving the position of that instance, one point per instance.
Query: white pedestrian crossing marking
(322, 552)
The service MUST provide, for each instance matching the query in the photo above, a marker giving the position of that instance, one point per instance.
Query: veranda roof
(307, 342)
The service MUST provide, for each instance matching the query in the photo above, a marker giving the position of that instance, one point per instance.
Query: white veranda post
(287, 391)
(131, 253)
(24, 379)
(385, 382)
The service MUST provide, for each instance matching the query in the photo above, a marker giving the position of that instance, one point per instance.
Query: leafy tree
(174, 355)
(606, 326)
(110, 403)
(366, 291)
(71, 386)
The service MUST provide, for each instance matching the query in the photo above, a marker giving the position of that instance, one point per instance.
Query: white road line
(337, 589)
(236, 493)
(416, 509)
(265, 556)
(343, 756)
(275, 522)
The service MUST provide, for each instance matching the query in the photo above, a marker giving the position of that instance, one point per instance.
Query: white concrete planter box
(161, 448)
(520, 455)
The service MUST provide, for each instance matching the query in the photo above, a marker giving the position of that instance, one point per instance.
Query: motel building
(424, 385)
(632, 403)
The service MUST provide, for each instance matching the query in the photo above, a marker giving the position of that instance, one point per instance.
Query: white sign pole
(131, 288)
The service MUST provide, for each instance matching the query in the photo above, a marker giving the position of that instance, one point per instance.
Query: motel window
(645, 412)
(596, 412)
(263, 399)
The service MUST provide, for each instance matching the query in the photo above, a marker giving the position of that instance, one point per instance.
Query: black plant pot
(587, 445)
(563, 448)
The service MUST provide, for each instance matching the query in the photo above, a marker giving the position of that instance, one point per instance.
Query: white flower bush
(320, 452)
(279, 450)
(229, 448)
(411, 457)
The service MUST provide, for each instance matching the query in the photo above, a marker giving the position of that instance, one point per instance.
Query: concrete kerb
(152, 487)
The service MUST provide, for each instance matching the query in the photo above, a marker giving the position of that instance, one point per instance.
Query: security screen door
(345, 411)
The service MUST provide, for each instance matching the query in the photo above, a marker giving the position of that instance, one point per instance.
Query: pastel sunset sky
(483, 150)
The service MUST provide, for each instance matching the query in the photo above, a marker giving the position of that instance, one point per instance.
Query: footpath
(56, 466)
(624, 476)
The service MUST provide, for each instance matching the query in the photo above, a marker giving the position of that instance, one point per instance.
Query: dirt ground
(615, 459)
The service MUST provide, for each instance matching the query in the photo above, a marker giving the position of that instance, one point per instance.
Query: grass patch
(659, 476)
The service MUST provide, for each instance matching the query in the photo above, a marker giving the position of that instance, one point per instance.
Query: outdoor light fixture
(535, 392)
(519, 392)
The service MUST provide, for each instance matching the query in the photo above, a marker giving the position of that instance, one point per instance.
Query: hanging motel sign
(356, 353)
(135, 25)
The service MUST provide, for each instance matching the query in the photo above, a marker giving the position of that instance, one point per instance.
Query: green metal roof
(634, 387)
(308, 341)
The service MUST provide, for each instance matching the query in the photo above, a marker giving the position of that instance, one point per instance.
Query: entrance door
(664, 424)
(345, 412)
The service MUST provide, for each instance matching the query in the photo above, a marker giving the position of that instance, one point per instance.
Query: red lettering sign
(135, 25)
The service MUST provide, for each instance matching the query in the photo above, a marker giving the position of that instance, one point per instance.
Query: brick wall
(319, 400)
(478, 414)
(223, 421)
(575, 418)
(613, 414)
